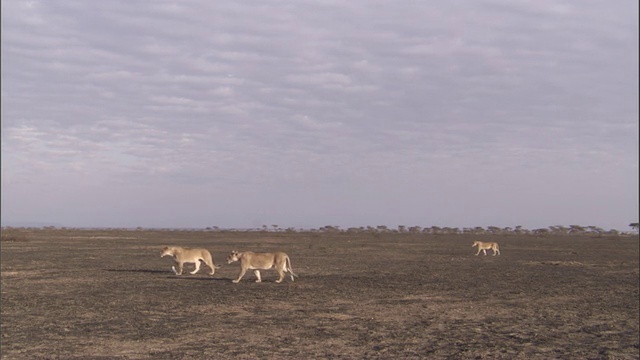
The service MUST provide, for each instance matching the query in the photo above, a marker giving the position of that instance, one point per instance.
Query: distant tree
(449, 230)
(479, 230)
(402, 228)
(329, 228)
(634, 226)
(415, 229)
(382, 228)
(494, 230)
(595, 230)
(519, 230)
(559, 230)
(541, 231)
(576, 230)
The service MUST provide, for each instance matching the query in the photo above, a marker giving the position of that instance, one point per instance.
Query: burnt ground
(107, 294)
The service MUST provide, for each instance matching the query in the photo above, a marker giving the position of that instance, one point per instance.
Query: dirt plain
(107, 294)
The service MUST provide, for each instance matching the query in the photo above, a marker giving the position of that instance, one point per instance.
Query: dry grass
(107, 293)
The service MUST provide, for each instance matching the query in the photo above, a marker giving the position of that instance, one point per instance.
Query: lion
(183, 255)
(484, 246)
(262, 261)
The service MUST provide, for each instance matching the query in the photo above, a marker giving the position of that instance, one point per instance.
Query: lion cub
(183, 255)
(484, 246)
(261, 261)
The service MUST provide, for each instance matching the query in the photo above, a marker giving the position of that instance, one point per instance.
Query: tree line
(402, 229)
(437, 230)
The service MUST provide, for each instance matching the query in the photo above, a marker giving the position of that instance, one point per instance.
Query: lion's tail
(210, 258)
(289, 268)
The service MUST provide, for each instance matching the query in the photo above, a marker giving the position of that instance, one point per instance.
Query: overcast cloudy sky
(309, 113)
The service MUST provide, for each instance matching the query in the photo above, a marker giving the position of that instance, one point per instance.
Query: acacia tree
(595, 230)
(519, 230)
(479, 230)
(559, 230)
(634, 226)
(494, 230)
(541, 231)
(415, 229)
(576, 230)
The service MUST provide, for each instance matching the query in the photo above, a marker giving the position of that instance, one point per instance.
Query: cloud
(326, 107)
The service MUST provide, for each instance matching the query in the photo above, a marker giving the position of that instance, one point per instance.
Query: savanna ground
(107, 294)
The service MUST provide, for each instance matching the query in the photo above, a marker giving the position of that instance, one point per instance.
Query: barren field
(107, 294)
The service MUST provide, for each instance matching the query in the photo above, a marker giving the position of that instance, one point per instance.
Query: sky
(303, 113)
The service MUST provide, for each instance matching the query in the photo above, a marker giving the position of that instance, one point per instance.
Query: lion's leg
(242, 272)
(197, 267)
(281, 274)
(208, 259)
(213, 268)
(257, 273)
(484, 251)
(496, 251)
(478, 253)
(178, 271)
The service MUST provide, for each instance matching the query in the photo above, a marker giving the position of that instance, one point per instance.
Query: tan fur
(261, 261)
(484, 246)
(183, 255)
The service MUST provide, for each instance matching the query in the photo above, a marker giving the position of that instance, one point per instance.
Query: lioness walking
(187, 255)
(262, 261)
(484, 246)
